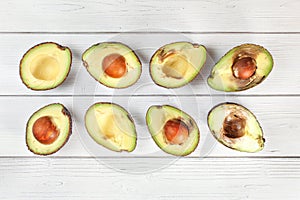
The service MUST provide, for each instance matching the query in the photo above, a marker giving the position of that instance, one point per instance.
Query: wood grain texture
(209, 178)
(129, 15)
(282, 80)
(277, 115)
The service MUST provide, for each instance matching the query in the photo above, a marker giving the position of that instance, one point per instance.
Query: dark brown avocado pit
(114, 65)
(244, 68)
(176, 131)
(44, 130)
(234, 125)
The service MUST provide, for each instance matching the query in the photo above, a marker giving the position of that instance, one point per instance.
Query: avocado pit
(176, 131)
(234, 125)
(44, 130)
(114, 65)
(244, 68)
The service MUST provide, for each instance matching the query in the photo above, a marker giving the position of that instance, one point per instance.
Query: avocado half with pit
(45, 66)
(111, 126)
(113, 64)
(236, 127)
(243, 67)
(173, 130)
(177, 64)
(48, 129)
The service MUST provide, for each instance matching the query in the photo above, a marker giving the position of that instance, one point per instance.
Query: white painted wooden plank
(279, 117)
(209, 178)
(284, 79)
(180, 15)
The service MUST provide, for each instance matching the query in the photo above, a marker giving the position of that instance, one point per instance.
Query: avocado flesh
(61, 118)
(251, 141)
(45, 66)
(156, 118)
(222, 78)
(93, 57)
(177, 64)
(111, 126)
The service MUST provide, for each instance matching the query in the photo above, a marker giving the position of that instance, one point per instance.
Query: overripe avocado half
(173, 130)
(111, 126)
(243, 67)
(45, 66)
(113, 64)
(48, 129)
(177, 64)
(236, 127)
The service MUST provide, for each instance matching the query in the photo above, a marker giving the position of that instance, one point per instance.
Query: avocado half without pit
(48, 129)
(177, 64)
(243, 67)
(45, 66)
(173, 130)
(113, 64)
(111, 126)
(236, 127)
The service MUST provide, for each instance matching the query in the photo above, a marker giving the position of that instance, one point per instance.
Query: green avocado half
(111, 126)
(45, 66)
(243, 67)
(175, 65)
(173, 130)
(112, 64)
(48, 129)
(236, 127)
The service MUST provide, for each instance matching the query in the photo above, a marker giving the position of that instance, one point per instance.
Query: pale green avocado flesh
(61, 118)
(93, 59)
(111, 126)
(156, 118)
(45, 66)
(222, 77)
(177, 64)
(251, 139)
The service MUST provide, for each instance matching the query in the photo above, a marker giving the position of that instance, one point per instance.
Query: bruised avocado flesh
(243, 67)
(236, 127)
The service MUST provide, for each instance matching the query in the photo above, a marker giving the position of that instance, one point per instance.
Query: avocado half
(48, 129)
(111, 126)
(177, 64)
(236, 127)
(173, 130)
(113, 64)
(243, 67)
(45, 66)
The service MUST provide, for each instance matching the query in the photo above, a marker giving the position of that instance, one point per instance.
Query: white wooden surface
(83, 170)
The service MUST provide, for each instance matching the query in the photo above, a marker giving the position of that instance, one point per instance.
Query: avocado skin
(66, 112)
(43, 43)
